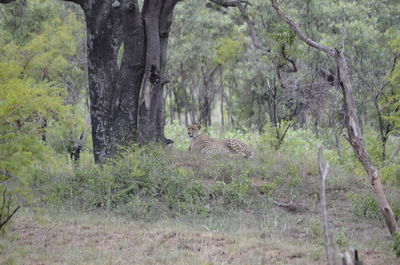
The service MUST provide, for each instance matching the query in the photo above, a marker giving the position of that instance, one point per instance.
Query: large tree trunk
(114, 91)
(127, 101)
(355, 137)
(157, 17)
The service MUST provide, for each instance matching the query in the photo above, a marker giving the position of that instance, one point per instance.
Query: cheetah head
(194, 131)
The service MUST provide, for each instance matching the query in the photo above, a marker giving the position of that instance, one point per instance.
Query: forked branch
(5, 213)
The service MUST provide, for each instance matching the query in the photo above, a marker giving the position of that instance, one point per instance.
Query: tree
(126, 98)
(355, 137)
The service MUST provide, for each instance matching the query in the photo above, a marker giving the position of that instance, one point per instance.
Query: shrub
(396, 244)
(139, 182)
(364, 205)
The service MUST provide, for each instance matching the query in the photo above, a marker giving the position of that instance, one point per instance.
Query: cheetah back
(239, 147)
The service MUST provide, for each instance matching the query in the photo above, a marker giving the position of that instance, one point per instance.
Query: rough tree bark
(157, 18)
(126, 101)
(354, 137)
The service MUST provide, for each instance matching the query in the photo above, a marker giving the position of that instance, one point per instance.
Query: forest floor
(259, 233)
(274, 237)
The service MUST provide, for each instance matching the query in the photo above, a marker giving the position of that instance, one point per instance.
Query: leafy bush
(137, 183)
(391, 174)
(364, 205)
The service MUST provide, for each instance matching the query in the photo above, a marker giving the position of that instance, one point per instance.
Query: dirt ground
(96, 238)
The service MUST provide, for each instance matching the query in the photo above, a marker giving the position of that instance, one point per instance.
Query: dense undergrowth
(154, 181)
(279, 189)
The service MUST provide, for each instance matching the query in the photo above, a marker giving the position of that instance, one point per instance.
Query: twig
(9, 175)
(5, 221)
(284, 204)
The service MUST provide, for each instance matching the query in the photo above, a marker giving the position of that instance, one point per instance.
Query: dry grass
(275, 237)
(259, 233)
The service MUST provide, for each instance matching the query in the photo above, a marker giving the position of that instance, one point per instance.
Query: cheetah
(207, 145)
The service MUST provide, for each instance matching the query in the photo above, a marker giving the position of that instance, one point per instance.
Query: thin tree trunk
(251, 113)
(222, 107)
(171, 106)
(260, 122)
(316, 127)
(193, 107)
(229, 102)
(183, 85)
(186, 102)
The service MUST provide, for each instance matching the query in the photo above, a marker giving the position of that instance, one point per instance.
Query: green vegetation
(180, 207)
(233, 197)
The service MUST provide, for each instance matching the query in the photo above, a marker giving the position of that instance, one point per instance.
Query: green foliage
(341, 237)
(24, 104)
(268, 188)
(36, 73)
(46, 44)
(390, 174)
(230, 49)
(178, 134)
(396, 244)
(364, 205)
(139, 183)
(391, 102)
(315, 227)
(282, 34)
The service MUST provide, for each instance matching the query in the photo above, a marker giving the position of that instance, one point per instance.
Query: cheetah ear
(199, 126)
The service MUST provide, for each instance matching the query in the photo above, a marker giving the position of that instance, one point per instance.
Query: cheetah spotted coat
(207, 145)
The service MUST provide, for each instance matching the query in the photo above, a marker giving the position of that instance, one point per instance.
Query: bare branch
(330, 248)
(252, 29)
(284, 204)
(292, 62)
(2, 223)
(9, 175)
(299, 33)
(6, 213)
(250, 24)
